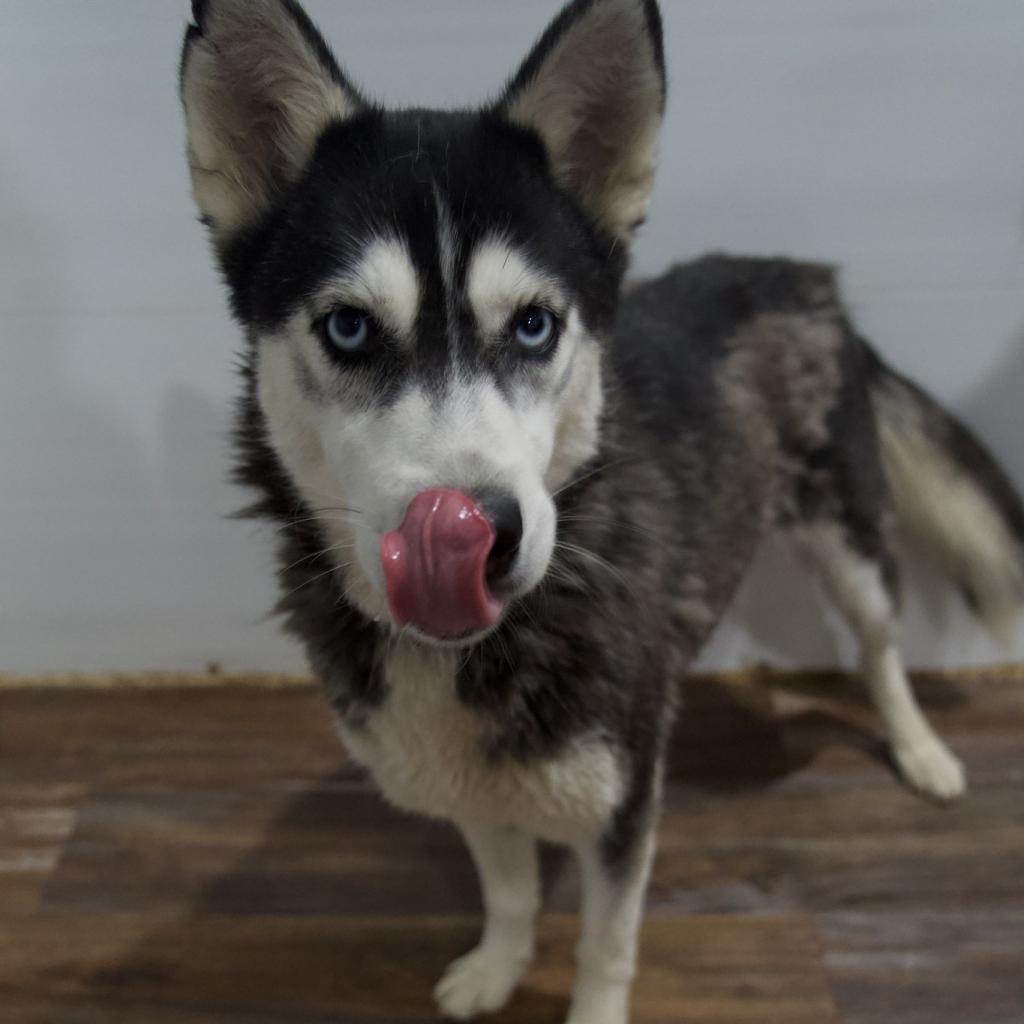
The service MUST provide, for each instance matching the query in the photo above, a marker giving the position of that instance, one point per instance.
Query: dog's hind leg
(483, 980)
(863, 588)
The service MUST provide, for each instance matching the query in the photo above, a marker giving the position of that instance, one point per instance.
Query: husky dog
(515, 499)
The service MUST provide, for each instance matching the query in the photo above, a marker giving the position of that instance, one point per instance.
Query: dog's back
(751, 387)
(848, 435)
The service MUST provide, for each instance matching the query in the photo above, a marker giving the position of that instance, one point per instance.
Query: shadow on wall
(66, 453)
(992, 410)
(82, 440)
(996, 409)
(113, 535)
(194, 457)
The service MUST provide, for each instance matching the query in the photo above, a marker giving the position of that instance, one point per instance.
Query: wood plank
(166, 736)
(369, 970)
(960, 967)
(333, 847)
(912, 873)
(35, 821)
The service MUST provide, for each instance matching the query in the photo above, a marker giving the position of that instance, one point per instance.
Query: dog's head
(426, 293)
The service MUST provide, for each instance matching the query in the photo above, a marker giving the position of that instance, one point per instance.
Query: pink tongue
(435, 566)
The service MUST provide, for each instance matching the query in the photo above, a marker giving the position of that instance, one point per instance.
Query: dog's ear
(594, 91)
(259, 86)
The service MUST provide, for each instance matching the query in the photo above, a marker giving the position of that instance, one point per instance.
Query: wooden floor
(206, 854)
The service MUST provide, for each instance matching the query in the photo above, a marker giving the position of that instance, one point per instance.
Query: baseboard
(149, 680)
(752, 676)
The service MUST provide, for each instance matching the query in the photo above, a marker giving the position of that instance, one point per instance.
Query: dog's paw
(479, 982)
(930, 767)
(599, 1016)
(599, 1001)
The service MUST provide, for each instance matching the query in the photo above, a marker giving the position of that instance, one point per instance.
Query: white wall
(886, 136)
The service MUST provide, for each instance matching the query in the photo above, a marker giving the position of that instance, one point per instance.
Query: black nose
(503, 512)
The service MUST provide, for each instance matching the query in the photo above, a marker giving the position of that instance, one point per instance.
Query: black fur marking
(844, 478)
(491, 183)
(636, 814)
(308, 382)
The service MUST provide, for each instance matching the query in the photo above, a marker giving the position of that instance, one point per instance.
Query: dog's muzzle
(444, 563)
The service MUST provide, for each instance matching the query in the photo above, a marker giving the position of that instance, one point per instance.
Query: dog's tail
(953, 500)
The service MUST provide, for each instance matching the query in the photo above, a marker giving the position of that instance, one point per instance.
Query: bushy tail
(953, 500)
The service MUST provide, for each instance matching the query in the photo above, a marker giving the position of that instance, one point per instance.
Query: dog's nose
(505, 516)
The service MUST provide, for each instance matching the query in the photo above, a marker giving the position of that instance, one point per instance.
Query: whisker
(604, 520)
(533, 621)
(603, 562)
(505, 651)
(313, 579)
(560, 572)
(317, 554)
(589, 474)
(340, 508)
(310, 519)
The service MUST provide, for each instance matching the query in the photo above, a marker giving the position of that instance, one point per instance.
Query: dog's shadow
(343, 912)
(734, 736)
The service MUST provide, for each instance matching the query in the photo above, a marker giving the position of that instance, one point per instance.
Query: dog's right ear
(259, 86)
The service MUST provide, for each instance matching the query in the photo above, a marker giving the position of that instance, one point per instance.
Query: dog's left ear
(593, 89)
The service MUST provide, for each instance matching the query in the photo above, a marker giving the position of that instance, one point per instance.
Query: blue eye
(535, 329)
(347, 328)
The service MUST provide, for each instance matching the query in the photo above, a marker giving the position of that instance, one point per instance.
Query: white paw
(599, 1002)
(480, 982)
(603, 1016)
(928, 766)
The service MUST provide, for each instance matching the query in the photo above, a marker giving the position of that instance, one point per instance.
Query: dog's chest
(428, 752)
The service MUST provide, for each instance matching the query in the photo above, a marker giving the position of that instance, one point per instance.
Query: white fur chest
(428, 753)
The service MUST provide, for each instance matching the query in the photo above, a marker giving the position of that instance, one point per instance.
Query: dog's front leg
(483, 980)
(613, 902)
